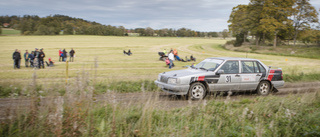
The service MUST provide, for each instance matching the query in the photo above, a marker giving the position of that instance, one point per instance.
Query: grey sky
(199, 15)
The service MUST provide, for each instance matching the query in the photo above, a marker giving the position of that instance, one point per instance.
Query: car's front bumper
(173, 89)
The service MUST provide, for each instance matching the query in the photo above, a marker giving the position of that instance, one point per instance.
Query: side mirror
(220, 72)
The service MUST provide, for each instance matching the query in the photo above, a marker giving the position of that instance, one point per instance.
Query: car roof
(232, 58)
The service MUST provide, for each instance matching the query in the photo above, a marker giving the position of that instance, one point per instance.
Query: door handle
(258, 75)
(237, 75)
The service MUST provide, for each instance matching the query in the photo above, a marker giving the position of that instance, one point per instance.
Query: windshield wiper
(203, 68)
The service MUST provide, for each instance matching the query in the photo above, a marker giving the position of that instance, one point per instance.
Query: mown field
(90, 105)
(107, 53)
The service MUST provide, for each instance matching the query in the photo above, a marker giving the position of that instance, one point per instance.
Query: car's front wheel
(197, 91)
(263, 88)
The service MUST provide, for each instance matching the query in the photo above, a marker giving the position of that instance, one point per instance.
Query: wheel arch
(270, 83)
(202, 82)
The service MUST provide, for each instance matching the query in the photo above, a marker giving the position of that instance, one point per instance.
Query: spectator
(19, 58)
(165, 52)
(64, 52)
(129, 52)
(41, 56)
(72, 52)
(51, 63)
(171, 59)
(36, 58)
(31, 57)
(16, 57)
(26, 58)
(175, 52)
(192, 58)
(60, 55)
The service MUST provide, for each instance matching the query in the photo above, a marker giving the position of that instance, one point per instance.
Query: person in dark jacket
(16, 58)
(72, 52)
(64, 55)
(36, 58)
(31, 57)
(41, 56)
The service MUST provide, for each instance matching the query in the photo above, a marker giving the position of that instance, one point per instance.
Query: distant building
(6, 25)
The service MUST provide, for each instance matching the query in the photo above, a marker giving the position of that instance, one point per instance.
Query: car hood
(185, 72)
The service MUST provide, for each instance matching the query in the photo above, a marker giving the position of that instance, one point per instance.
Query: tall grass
(94, 110)
(76, 114)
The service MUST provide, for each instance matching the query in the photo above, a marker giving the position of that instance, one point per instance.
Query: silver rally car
(221, 74)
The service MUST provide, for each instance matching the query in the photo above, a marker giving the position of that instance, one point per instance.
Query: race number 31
(228, 79)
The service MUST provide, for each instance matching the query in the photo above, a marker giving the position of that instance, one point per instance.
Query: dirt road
(159, 100)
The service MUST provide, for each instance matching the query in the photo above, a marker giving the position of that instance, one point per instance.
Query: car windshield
(209, 64)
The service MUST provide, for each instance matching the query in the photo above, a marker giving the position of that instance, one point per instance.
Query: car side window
(256, 68)
(262, 69)
(247, 67)
(230, 67)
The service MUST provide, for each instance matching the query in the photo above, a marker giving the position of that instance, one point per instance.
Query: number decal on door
(228, 79)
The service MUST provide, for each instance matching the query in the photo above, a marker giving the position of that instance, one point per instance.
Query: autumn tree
(275, 16)
(304, 14)
(239, 23)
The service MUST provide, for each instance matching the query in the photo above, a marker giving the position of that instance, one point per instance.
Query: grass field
(112, 65)
(10, 32)
(74, 109)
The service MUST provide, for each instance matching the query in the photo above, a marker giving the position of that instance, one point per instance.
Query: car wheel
(197, 91)
(263, 88)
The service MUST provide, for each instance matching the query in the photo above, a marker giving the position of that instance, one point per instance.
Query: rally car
(221, 74)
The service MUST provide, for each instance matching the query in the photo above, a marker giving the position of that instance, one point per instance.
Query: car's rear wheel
(197, 91)
(263, 88)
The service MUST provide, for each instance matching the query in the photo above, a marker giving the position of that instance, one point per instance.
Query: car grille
(164, 79)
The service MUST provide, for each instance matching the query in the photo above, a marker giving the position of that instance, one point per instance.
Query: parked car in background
(221, 74)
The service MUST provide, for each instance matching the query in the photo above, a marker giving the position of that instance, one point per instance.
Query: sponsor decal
(248, 78)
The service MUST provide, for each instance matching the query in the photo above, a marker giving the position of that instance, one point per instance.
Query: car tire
(263, 88)
(197, 91)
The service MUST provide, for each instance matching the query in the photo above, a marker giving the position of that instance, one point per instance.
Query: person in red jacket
(60, 55)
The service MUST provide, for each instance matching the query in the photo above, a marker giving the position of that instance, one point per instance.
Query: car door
(250, 75)
(229, 79)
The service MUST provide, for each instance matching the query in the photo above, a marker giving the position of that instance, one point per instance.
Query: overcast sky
(199, 15)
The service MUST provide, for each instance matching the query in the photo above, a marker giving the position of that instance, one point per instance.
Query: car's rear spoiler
(273, 67)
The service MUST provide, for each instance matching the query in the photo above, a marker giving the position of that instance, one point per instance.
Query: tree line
(275, 20)
(61, 24)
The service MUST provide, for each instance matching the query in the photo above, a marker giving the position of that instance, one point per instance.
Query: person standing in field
(41, 56)
(72, 52)
(36, 58)
(26, 58)
(19, 58)
(64, 57)
(60, 55)
(31, 57)
(171, 59)
(16, 57)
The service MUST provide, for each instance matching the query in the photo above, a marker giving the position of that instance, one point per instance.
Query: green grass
(294, 115)
(6, 31)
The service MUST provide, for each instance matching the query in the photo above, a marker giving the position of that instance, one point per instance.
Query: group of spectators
(173, 54)
(35, 58)
(63, 54)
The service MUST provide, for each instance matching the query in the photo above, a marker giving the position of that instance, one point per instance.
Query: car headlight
(173, 81)
(159, 77)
